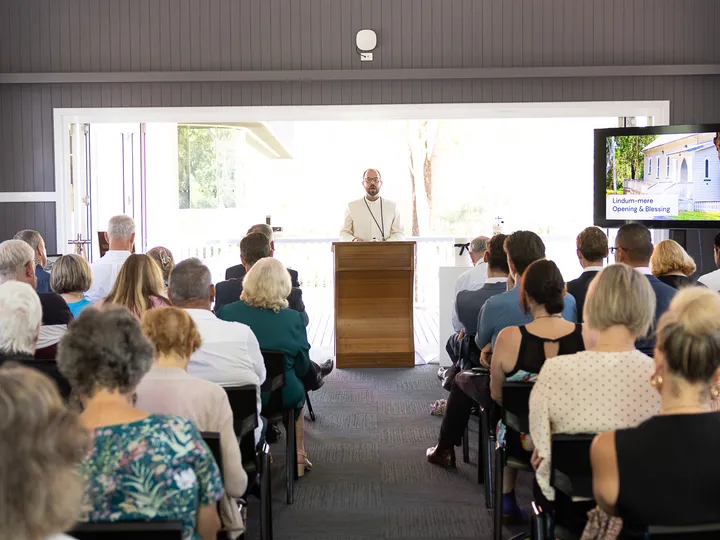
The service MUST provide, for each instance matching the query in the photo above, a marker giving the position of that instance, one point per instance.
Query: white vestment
(367, 220)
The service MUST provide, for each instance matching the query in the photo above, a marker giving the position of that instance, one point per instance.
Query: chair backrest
(212, 439)
(691, 532)
(571, 470)
(243, 402)
(274, 381)
(516, 405)
(469, 351)
(122, 530)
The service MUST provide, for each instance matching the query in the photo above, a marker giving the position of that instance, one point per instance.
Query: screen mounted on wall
(662, 176)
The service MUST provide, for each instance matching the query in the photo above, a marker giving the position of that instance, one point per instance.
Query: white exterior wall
(706, 191)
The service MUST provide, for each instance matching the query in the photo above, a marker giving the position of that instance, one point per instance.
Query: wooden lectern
(374, 284)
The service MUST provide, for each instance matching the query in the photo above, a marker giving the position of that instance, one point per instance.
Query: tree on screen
(629, 161)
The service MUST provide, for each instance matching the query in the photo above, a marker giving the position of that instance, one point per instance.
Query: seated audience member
(671, 264)
(664, 471)
(121, 238)
(253, 247)
(467, 306)
(606, 386)
(140, 466)
(522, 249)
(139, 286)
(169, 389)
(165, 261)
(238, 271)
(592, 248)
(712, 279)
(263, 307)
(521, 351)
(71, 279)
(41, 445)
(470, 280)
(541, 292)
(35, 240)
(17, 264)
(20, 320)
(633, 246)
(229, 354)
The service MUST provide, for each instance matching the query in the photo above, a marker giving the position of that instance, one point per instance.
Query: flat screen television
(666, 177)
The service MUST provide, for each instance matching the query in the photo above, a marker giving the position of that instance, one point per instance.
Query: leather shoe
(442, 458)
(326, 368)
(441, 373)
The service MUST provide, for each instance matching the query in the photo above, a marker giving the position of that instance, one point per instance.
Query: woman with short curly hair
(263, 306)
(141, 466)
(168, 388)
(41, 445)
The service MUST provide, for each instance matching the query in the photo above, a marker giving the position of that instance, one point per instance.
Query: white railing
(312, 258)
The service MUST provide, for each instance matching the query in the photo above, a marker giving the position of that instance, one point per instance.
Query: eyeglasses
(613, 250)
(375, 181)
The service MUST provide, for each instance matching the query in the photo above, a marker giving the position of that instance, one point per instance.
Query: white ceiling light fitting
(365, 42)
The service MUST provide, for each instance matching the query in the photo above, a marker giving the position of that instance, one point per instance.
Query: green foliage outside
(206, 167)
(629, 160)
(696, 216)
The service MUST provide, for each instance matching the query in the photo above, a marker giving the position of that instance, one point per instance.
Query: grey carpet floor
(370, 479)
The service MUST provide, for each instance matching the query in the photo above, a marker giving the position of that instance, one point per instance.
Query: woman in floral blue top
(140, 466)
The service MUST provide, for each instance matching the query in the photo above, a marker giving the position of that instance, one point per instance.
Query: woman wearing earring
(606, 386)
(664, 471)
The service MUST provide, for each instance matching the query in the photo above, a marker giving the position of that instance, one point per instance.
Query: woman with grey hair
(41, 445)
(141, 466)
(263, 306)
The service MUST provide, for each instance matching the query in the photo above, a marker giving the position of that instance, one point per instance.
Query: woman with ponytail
(520, 352)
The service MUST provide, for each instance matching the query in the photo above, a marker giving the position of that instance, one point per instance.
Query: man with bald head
(371, 218)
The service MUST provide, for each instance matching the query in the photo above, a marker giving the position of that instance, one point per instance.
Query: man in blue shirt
(35, 240)
(523, 248)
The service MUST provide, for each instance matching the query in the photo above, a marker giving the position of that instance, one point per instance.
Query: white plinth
(448, 276)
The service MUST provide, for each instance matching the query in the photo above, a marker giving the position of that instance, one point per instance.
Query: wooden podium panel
(374, 304)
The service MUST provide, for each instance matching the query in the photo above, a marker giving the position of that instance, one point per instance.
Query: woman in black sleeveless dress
(520, 351)
(664, 471)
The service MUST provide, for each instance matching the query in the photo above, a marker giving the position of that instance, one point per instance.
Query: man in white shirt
(230, 352)
(712, 279)
(474, 278)
(372, 217)
(120, 237)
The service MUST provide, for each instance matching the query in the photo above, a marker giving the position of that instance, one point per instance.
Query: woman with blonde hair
(168, 389)
(664, 471)
(41, 445)
(604, 387)
(671, 264)
(263, 306)
(165, 261)
(139, 286)
(71, 278)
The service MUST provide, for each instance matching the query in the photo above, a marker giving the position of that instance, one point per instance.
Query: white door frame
(660, 110)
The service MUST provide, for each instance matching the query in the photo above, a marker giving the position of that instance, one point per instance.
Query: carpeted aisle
(370, 480)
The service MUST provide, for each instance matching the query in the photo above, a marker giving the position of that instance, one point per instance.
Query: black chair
(122, 530)
(570, 476)
(515, 412)
(309, 406)
(275, 412)
(212, 439)
(256, 458)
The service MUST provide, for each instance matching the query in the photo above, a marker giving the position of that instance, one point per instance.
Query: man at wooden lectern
(371, 218)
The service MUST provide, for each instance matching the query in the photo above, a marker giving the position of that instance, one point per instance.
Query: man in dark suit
(592, 248)
(253, 247)
(633, 246)
(238, 271)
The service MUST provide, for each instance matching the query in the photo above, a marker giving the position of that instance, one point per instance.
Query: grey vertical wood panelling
(40, 216)
(141, 35)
